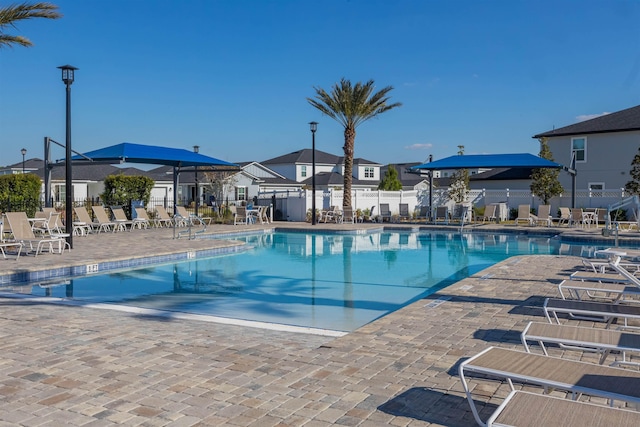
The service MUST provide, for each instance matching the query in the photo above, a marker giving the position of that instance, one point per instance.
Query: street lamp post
(314, 127)
(67, 79)
(196, 149)
(24, 153)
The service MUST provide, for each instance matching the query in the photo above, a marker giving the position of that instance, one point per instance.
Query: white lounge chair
(489, 213)
(565, 216)
(551, 372)
(189, 219)
(592, 289)
(162, 218)
(591, 310)
(525, 409)
(21, 231)
(524, 214)
(84, 224)
(102, 221)
(348, 215)
(601, 340)
(142, 219)
(121, 220)
(543, 217)
(576, 217)
(5, 243)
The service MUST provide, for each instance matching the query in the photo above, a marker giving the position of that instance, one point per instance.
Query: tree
(351, 105)
(221, 183)
(544, 181)
(459, 188)
(633, 186)
(9, 15)
(390, 181)
(121, 190)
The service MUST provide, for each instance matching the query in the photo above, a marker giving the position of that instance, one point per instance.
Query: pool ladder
(191, 221)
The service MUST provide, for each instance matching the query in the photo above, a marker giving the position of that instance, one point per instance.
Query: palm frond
(11, 14)
(7, 40)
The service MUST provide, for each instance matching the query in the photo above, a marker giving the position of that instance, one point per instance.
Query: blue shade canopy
(522, 160)
(151, 154)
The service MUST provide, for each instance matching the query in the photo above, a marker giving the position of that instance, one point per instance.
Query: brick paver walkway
(78, 366)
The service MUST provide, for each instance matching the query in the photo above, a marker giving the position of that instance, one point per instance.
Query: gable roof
(407, 176)
(304, 156)
(620, 121)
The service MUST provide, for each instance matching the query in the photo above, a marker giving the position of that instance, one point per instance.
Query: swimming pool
(326, 281)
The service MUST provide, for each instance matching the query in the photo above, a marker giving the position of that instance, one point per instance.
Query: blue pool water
(326, 281)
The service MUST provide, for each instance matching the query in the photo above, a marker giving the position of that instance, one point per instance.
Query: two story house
(603, 149)
(298, 166)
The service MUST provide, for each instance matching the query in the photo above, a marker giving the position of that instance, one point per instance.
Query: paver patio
(82, 366)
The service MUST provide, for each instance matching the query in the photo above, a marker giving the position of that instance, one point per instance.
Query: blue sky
(233, 76)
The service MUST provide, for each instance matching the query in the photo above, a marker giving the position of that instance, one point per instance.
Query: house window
(241, 193)
(368, 173)
(303, 171)
(579, 149)
(596, 186)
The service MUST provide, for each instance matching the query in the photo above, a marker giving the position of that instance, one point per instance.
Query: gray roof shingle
(620, 121)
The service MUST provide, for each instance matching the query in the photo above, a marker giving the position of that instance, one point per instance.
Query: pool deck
(83, 366)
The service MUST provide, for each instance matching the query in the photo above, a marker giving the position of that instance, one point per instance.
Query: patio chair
(442, 214)
(262, 214)
(4, 243)
(84, 225)
(604, 341)
(565, 216)
(142, 219)
(242, 216)
(543, 217)
(403, 213)
(590, 310)
(102, 219)
(576, 217)
(334, 214)
(522, 408)
(348, 215)
(187, 218)
(422, 213)
(21, 231)
(121, 220)
(550, 372)
(489, 213)
(385, 213)
(54, 227)
(162, 218)
(39, 222)
(524, 214)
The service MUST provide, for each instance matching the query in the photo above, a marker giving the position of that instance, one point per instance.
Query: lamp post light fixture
(196, 149)
(314, 127)
(24, 153)
(67, 78)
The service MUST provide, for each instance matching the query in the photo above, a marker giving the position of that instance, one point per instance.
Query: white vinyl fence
(294, 205)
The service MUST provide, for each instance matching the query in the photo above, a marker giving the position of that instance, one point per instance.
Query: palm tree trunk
(349, 142)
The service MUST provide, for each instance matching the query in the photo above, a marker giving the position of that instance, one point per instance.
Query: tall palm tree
(351, 105)
(17, 12)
